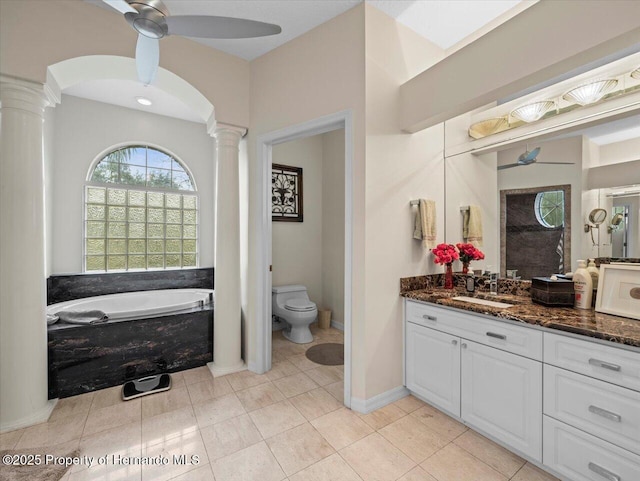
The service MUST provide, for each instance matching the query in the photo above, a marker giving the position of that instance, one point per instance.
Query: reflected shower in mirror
(535, 231)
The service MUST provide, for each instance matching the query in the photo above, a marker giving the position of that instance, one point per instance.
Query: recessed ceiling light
(144, 101)
(533, 111)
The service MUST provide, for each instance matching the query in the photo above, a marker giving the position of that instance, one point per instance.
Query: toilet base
(299, 335)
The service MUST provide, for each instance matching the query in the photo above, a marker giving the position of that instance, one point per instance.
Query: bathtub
(139, 305)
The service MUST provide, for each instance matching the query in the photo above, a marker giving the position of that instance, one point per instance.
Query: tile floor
(287, 424)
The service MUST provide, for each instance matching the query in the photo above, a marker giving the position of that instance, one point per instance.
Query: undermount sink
(474, 300)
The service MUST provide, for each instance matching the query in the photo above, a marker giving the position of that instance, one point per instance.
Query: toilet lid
(299, 305)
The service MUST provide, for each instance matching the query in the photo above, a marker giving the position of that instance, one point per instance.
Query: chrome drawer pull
(429, 318)
(604, 364)
(605, 473)
(497, 336)
(605, 414)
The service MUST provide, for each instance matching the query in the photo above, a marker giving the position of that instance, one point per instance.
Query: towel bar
(414, 202)
(464, 208)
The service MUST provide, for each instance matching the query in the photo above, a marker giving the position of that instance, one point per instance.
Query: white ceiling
(443, 22)
(124, 93)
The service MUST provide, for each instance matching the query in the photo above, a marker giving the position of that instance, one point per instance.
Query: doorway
(263, 241)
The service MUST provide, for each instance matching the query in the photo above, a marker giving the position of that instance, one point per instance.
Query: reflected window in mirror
(535, 234)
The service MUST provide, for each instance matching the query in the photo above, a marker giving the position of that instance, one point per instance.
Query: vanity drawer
(507, 337)
(501, 335)
(578, 456)
(599, 408)
(611, 364)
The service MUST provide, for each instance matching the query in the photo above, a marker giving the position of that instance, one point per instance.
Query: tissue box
(550, 293)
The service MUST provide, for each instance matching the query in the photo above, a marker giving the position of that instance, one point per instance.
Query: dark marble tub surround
(586, 322)
(78, 286)
(86, 358)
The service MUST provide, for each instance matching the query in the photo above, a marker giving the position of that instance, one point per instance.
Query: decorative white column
(227, 333)
(23, 331)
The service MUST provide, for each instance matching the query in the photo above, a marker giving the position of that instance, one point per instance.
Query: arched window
(141, 212)
(549, 208)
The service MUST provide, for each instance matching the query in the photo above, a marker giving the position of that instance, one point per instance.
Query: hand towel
(474, 226)
(425, 223)
(82, 317)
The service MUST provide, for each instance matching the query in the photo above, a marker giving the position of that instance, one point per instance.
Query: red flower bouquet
(445, 254)
(468, 253)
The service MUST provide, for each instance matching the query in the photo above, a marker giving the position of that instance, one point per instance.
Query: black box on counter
(552, 293)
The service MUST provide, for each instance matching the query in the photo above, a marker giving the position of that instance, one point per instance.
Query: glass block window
(133, 228)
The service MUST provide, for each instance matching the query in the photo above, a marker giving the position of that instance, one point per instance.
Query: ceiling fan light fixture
(533, 111)
(591, 92)
(144, 101)
(636, 73)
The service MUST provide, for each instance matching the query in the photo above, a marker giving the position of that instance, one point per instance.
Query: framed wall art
(286, 193)
(619, 290)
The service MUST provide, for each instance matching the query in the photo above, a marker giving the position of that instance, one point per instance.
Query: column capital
(219, 130)
(25, 95)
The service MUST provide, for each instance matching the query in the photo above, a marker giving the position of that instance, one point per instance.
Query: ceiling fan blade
(556, 163)
(120, 5)
(509, 166)
(147, 58)
(219, 27)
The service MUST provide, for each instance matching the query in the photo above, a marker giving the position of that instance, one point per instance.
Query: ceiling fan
(528, 158)
(152, 21)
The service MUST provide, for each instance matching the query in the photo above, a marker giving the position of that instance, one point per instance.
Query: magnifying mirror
(596, 217)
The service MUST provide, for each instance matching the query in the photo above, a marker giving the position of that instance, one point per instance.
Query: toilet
(292, 305)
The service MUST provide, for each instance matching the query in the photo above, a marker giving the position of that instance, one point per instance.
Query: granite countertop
(585, 322)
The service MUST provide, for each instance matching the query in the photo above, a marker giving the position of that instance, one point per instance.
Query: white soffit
(445, 22)
(124, 92)
(614, 131)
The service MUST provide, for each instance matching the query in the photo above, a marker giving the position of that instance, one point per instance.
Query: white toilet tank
(284, 293)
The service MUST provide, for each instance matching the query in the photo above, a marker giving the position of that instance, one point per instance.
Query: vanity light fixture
(591, 92)
(144, 101)
(636, 73)
(533, 111)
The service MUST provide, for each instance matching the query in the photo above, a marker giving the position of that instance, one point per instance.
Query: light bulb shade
(636, 73)
(488, 127)
(591, 92)
(533, 111)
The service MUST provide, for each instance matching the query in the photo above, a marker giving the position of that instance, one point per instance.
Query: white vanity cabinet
(572, 405)
(465, 365)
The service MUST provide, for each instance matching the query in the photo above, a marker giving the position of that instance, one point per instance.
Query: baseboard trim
(337, 325)
(365, 406)
(40, 416)
(217, 371)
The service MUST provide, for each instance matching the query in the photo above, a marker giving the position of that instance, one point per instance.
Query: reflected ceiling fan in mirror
(530, 157)
(152, 21)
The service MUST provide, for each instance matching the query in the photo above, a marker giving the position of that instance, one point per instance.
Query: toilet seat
(299, 305)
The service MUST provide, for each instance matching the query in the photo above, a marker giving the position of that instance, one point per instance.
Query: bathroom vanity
(558, 386)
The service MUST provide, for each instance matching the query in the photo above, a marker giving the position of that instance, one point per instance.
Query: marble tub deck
(585, 322)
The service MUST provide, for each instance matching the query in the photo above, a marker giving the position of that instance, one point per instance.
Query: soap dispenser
(583, 286)
(470, 282)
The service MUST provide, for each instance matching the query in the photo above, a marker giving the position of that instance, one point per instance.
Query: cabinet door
(502, 396)
(433, 366)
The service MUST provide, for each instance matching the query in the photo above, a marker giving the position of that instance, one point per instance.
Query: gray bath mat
(330, 354)
(43, 472)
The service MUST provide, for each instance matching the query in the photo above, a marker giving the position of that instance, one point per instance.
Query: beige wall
(333, 223)
(399, 168)
(35, 34)
(617, 152)
(316, 74)
(296, 248)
